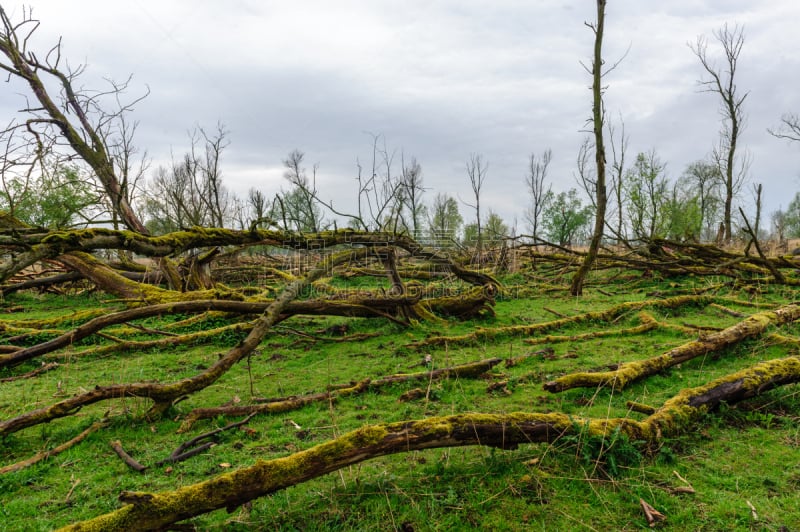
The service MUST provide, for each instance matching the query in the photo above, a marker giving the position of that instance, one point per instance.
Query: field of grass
(742, 462)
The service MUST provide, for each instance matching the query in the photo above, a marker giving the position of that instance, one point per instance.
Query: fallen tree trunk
(360, 307)
(628, 372)
(156, 511)
(30, 248)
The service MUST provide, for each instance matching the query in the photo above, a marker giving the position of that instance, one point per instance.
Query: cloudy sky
(438, 79)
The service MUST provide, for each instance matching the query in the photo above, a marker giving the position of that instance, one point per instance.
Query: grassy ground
(743, 462)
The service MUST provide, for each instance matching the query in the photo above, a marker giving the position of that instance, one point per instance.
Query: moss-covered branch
(628, 372)
(156, 511)
(609, 314)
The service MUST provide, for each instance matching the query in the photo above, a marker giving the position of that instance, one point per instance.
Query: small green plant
(611, 455)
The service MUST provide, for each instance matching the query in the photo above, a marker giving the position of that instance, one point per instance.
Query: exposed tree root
(628, 372)
(156, 511)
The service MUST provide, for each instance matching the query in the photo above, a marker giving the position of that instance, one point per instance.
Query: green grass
(748, 452)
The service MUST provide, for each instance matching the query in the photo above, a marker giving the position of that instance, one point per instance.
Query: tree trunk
(578, 279)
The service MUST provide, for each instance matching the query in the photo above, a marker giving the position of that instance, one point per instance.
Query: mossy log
(157, 511)
(471, 302)
(482, 333)
(628, 372)
(30, 248)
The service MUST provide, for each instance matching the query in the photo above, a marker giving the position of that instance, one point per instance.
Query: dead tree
(722, 82)
(597, 120)
(535, 180)
(75, 118)
(476, 171)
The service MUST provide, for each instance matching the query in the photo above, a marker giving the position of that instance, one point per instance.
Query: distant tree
(411, 186)
(705, 181)
(495, 228)
(55, 199)
(791, 217)
(258, 207)
(494, 231)
(618, 178)
(380, 194)
(190, 192)
(535, 180)
(298, 207)
(722, 82)
(444, 221)
(682, 213)
(476, 171)
(647, 194)
(565, 217)
(778, 219)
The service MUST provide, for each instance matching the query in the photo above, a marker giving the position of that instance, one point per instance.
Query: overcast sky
(438, 79)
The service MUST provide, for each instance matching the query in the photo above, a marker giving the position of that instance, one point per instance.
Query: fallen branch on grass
(285, 404)
(128, 459)
(628, 372)
(191, 447)
(38, 457)
(43, 368)
(154, 511)
(163, 395)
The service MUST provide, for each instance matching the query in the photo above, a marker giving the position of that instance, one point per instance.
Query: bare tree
(380, 193)
(722, 82)
(617, 177)
(789, 128)
(535, 181)
(257, 206)
(597, 120)
(129, 164)
(74, 118)
(413, 189)
(216, 197)
(476, 171)
(190, 192)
